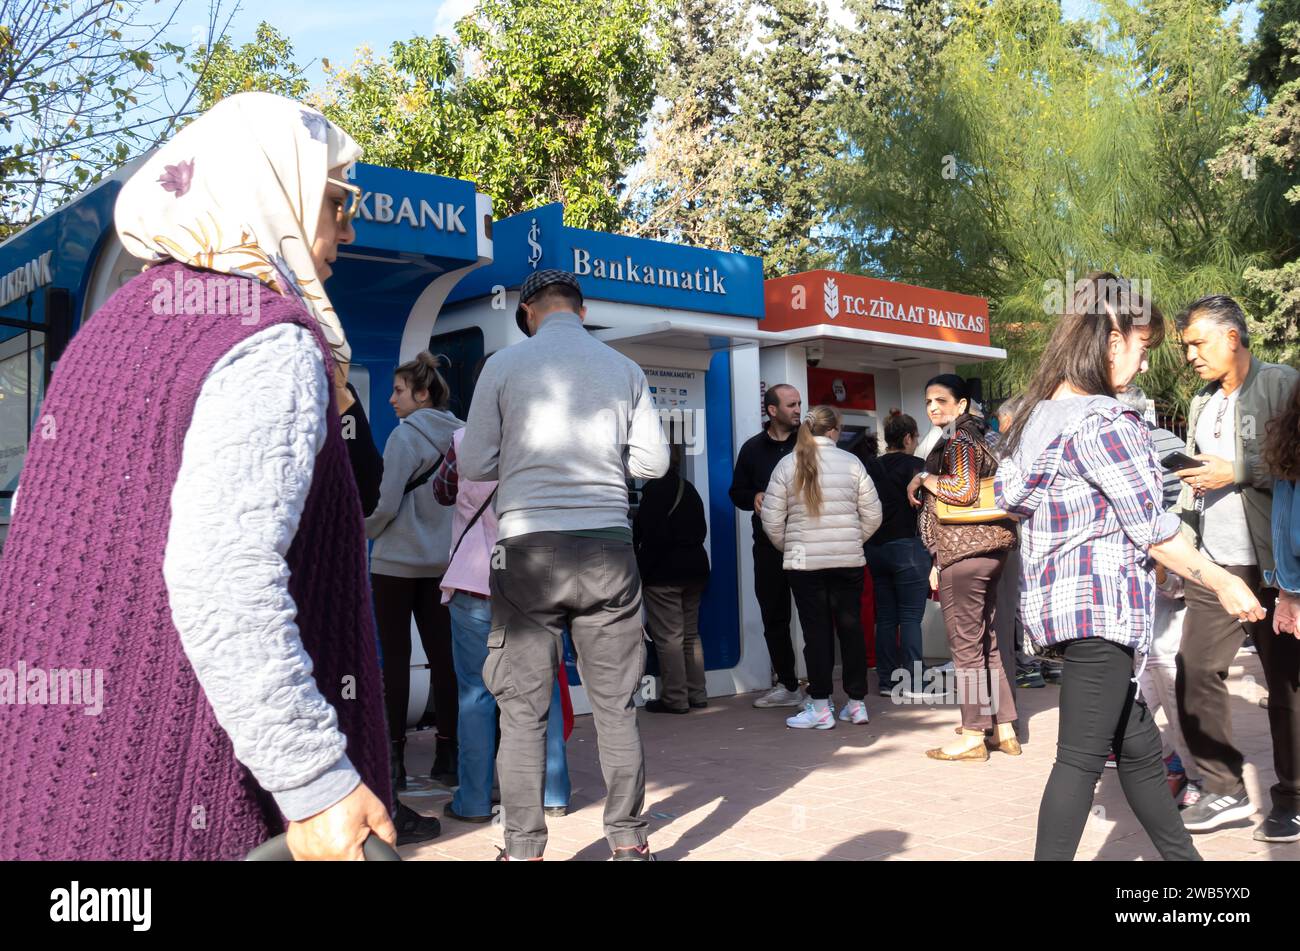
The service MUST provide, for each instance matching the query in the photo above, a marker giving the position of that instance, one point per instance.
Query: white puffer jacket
(850, 512)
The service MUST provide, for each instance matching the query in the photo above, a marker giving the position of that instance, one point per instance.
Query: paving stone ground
(733, 783)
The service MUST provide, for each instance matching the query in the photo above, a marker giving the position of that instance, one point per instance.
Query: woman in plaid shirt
(1080, 469)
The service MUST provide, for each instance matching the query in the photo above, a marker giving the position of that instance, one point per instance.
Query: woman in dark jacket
(367, 463)
(668, 533)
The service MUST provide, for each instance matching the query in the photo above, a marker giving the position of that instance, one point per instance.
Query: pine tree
(783, 137)
(691, 169)
(1266, 152)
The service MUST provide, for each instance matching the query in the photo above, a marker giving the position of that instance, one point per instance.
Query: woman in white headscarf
(197, 536)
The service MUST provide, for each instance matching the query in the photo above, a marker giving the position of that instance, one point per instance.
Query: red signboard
(851, 300)
(841, 388)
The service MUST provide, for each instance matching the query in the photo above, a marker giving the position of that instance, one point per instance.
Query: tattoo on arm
(1196, 576)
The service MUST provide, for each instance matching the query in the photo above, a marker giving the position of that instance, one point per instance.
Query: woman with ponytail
(412, 535)
(818, 510)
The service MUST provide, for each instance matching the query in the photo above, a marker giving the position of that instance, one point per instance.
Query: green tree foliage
(84, 85)
(265, 65)
(784, 139)
(535, 101)
(691, 174)
(1010, 150)
(1266, 151)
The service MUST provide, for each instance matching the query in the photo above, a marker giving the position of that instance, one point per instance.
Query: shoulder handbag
(983, 509)
(954, 541)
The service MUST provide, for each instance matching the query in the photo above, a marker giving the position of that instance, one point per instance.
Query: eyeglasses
(349, 211)
(1218, 419)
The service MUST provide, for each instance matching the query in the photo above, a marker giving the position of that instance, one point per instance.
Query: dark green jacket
(1263, 396)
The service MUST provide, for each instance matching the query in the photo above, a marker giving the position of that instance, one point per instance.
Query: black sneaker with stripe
(1213, 811)
(1280, 826)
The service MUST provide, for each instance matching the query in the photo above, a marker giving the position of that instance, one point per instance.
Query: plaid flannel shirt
(446, 481)
(1092, 501)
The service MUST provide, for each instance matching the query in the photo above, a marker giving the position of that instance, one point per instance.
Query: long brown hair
(1282, 440)
(1077, 351)
(807, 482)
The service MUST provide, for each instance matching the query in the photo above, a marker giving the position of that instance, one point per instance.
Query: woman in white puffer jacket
(819, 509)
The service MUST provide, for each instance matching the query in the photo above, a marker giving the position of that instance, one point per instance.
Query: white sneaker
(855, 711)
(810, 718)
(778, 696)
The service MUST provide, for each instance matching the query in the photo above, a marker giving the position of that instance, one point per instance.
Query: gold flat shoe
(1011, 747)
(976, 754)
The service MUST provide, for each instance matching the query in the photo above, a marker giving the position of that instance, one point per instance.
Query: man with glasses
(1226, 504)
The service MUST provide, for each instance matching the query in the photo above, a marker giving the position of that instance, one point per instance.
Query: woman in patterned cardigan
(968, 566)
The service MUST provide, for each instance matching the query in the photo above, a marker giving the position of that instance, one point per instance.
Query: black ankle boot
(446, 762)
(397, 764)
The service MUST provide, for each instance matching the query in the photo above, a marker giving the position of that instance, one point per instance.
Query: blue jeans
(471, 620)
(900, 571)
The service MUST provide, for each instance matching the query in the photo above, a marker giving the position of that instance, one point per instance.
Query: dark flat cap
(534, 284)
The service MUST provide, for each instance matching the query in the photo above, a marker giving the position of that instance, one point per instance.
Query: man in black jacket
(758, 457)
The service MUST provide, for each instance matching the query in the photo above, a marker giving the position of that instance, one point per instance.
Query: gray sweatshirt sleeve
(647, 452)
(246, 468)
(480, 447)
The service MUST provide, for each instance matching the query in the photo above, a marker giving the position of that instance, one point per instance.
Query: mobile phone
(1180, 460)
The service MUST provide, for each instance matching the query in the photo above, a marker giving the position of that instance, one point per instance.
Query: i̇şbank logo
(831, 298)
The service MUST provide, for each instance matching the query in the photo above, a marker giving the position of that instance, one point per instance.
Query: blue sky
(333, 29)
(330, 29)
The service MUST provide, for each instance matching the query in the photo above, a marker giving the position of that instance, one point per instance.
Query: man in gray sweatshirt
(561, 421)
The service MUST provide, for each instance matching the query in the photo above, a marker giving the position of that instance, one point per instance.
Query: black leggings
(1100, 713)
(396, 599)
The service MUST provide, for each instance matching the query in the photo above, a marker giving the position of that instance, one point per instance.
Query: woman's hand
(934, 578)
(339, 832)
(912, 488)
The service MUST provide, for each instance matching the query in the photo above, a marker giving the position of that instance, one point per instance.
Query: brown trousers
(968, 591)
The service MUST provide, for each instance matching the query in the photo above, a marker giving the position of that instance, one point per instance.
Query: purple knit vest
(153, 776)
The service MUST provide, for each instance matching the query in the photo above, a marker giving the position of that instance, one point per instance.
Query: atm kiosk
(689, 317)
(868, 346)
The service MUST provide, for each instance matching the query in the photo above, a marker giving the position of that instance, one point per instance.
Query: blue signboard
(57, 251)
(415, 213)
(615, 267)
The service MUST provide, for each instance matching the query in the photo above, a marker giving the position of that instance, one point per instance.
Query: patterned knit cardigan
(154, 776)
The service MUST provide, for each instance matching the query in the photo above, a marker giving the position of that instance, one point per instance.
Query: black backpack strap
(470, 524)
(421, 479)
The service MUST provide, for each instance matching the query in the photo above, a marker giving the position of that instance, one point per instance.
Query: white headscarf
(239, 191)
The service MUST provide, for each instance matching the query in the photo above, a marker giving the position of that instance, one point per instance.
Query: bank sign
(414, 212)
(865, 303)
(616, 267)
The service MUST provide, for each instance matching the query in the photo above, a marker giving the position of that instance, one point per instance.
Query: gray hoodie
(412, 532)
(1049, 419)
